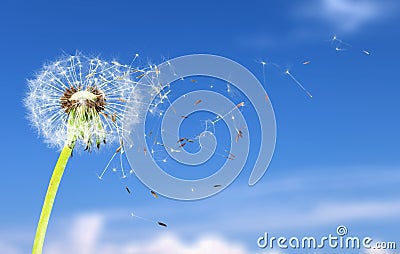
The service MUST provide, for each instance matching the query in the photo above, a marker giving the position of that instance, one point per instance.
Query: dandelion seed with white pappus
(75, 101)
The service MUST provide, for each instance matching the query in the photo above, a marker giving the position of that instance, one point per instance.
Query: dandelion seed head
(79, 99)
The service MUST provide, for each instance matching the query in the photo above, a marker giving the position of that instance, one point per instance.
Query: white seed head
(79, 99)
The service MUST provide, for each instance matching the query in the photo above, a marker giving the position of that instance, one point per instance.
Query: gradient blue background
(337, 155)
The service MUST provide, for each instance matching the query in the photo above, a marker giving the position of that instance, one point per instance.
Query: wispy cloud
(348, 15)
(377, 251)
(306, 202)
(340, 212)
(85, 233)
(171, 244)
(298, 202)
(87, 229)
(84, 237)
(310, 21)
(7, 248)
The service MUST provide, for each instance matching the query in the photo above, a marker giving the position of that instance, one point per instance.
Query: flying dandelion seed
(263, 71)
(180, 140)
(118, 149)
(76, 101)
(340, 49)
(162, 224)
(155, 195)
(287, 72)
(340, 45)
(239, 135)
(298, 83)
(240, 105)
(146, 219)
(141, 76)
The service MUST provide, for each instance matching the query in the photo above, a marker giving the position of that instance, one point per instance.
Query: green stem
(49, 199)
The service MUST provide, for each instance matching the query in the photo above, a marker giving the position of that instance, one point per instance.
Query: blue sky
(337, 155)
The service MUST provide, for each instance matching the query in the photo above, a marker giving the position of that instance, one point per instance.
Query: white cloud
(298, 202)
(334, 212)
(314, 216)
(171, 244)
(81, 238)
(14, 240)
(85, 232)
(349, 15)
(303, 201)
(6, 248)
(85, 237)
(377, 251)
(358, 210)
(315, 19)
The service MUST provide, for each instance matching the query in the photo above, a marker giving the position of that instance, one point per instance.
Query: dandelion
(76, 101)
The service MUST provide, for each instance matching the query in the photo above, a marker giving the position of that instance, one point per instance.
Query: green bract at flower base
(83, 108)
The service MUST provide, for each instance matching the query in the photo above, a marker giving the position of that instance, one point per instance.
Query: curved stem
(49, 199)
